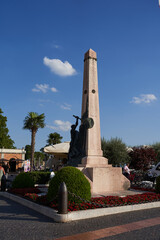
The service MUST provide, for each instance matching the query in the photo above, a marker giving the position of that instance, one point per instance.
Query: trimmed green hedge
(75, 181)
(40, 177)
(23, 180)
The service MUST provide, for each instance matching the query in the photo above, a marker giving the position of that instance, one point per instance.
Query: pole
(63, 199)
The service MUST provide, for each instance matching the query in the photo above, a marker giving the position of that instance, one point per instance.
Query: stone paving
(19, 222)
(119, 193)
(116, 230)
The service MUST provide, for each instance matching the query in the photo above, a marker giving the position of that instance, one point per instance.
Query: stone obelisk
(90, 107)
(101, 175)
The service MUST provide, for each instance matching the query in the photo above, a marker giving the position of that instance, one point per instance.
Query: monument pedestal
(94, 161)
(105, 179)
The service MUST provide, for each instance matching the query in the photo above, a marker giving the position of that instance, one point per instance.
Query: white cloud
(144, 98)
(35, 90)
(43, 88)
(61, 125)
(56, 46)
(54, 89)
(66, 106)
(58, 67)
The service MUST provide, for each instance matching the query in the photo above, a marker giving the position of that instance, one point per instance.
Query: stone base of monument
(104, 178)
(94, 161)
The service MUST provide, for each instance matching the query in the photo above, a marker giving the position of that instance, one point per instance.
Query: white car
(155, 171)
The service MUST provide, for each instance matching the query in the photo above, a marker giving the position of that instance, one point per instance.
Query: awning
(17, 160)
(58, 148)
(3, 160)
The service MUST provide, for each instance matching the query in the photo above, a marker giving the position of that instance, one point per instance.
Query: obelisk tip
(90, 54)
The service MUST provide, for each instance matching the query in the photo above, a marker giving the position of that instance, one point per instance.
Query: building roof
(5, 150)
(58, 148)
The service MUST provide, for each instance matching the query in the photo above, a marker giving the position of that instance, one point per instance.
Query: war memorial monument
(85, 148)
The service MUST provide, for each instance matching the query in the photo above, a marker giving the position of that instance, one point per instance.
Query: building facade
(12, 159)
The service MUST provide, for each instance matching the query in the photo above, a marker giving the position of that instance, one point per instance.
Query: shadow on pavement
(13, 211)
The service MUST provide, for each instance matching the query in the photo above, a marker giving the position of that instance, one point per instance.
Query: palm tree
(54, 138)
(32, 122)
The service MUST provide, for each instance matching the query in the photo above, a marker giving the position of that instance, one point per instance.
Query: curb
(82, 214)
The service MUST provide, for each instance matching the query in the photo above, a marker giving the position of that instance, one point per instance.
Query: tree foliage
(142, 158)
(5, 140)
(28, 152)
(33, 122)
(54, 138)
(38, 158)
(115, 151)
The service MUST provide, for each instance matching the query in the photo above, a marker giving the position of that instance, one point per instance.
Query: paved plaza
(19, 222)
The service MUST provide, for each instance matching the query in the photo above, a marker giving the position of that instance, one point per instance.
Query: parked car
(154, 172)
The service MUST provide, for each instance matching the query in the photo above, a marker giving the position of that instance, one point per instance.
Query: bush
(75, 181)
(142, 158)
(157, 187)
(115, 150)
(23, 180)
(40, 177)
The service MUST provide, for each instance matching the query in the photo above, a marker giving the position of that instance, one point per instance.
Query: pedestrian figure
(126, 172)
(52, 174)
(2, 172)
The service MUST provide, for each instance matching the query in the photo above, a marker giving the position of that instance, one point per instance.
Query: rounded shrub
(75, 181)
(157, 187)
(23, 180)
(40, 177)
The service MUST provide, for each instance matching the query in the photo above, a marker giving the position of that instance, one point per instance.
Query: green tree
(115, 150)
(28, 152)
(54, 138)
(38, 158)
(5, 140)
(33, 122)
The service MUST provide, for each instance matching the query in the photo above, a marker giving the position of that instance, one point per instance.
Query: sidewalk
(19, 222)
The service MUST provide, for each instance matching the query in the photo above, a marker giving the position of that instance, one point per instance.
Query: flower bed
(109, 201)
(23, 191)
(32, 194)
(143, 189)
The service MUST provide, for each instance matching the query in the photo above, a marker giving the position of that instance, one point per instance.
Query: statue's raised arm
(77, 118)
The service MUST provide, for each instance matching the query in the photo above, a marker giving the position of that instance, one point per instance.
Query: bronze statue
(78, 140)
(73, 151)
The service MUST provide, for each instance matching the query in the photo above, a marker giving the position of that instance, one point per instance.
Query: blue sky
(42, 47)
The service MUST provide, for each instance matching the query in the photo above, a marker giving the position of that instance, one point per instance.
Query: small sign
(27, 166)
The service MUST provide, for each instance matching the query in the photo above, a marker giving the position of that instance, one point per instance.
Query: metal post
(63, 199)
(3, 183)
